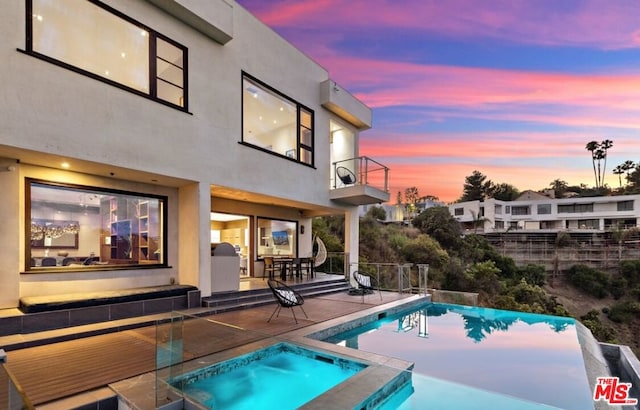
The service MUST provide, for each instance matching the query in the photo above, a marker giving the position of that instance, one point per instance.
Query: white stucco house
(134, 134)
(535, 212)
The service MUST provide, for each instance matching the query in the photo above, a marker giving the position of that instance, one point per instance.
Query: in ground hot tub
(282, 376)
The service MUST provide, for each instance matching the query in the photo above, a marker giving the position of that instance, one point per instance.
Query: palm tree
(559, 187)
(604, 146)
(592, 147)
(598, 154)
(619, 171)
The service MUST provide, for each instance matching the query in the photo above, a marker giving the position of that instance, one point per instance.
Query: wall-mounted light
(301, 229)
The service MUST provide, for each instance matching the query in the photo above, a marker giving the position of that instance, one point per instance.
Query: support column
(351, 241)
(194, 243)
(12, 249)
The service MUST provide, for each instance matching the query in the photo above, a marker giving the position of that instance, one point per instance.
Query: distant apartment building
(557, 233)
(535, 212)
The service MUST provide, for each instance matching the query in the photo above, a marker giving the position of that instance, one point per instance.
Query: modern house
(136, 134)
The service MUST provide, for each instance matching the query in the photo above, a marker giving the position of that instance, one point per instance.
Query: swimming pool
(283, 376)
(483, 353)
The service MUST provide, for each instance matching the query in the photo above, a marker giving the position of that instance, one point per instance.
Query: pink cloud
(600, 23)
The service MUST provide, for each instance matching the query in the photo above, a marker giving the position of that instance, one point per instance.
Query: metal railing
(366, 171)
(12, 396)
(334, 264)
(395, 277)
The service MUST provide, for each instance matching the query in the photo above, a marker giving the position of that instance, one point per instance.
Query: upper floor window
(625, 205)
(544, 209)
(275, 123)
(575, 208)
(520, 210)
(497, 209)
(458, 211)
(94, 39)
(73, 227)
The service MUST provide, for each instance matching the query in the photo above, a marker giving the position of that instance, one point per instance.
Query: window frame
(153, 76)
(300, 128)
(162, 221)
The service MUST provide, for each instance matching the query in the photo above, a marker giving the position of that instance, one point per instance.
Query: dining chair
(269, 268)
(286, 297)
(48, 261)
(295, 267)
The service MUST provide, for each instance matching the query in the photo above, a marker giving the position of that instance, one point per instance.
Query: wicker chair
(366, 283)
(286, 297)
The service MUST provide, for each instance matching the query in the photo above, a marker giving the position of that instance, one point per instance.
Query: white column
(351, 240)
(194, 237)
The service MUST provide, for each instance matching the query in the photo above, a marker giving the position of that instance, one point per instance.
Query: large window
(625, 206)
(75, 227)
(275, 123)
(544, 209)
(575, 208)
(521, 210)
(97, 40)
(277, 238)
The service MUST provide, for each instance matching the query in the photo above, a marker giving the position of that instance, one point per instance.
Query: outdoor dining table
(286, 263)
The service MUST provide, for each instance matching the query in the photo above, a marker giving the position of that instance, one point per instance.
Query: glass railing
(360, 171)
(12, 396)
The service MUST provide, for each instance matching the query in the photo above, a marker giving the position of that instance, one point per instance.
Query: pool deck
(73, 373)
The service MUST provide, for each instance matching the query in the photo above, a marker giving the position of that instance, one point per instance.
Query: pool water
(281, 377)
(481, 352)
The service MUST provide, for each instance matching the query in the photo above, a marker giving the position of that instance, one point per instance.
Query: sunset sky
(513, 89)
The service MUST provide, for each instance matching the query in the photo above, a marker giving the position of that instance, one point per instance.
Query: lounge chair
(366, 283)
(286, 297)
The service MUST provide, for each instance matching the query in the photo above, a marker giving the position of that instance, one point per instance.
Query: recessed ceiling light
(65, 165)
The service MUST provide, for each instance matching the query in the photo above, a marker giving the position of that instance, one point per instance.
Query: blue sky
(513, 89)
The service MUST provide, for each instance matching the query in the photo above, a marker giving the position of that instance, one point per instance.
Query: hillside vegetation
(608, 304)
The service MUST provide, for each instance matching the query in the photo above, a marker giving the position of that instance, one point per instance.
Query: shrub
(624, 312)
(618, 287)
(630, 270)
(533, 274)
(592, 321)
(591, 281)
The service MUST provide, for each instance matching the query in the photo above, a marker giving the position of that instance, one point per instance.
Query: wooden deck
(51, 372)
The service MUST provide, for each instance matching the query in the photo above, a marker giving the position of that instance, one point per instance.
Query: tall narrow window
(96, 40)
(275, 123)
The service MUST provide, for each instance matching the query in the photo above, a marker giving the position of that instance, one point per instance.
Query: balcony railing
(360, 181)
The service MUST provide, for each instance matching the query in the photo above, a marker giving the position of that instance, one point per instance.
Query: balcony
(359, 181)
